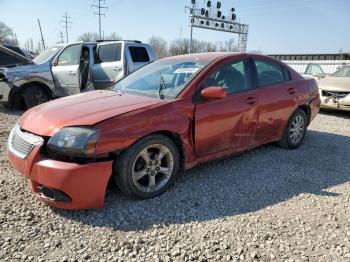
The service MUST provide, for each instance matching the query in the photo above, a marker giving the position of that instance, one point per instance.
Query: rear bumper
(83, 186)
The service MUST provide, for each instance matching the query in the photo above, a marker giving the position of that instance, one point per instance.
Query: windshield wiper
(161, 86)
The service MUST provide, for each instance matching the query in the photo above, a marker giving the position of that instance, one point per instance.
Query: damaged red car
(169, 115)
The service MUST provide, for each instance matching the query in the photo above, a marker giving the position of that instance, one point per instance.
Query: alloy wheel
(152, 168)
(297, 129)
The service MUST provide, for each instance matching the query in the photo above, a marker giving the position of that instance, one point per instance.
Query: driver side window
(70, 56)
(234, 77)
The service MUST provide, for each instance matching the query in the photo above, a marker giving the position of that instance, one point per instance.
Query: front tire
(34, 95)
(148, 167)
(295, 130)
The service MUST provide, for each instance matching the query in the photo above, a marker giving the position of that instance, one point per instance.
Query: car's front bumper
(337, 103)
(73, 186)
(4, 92)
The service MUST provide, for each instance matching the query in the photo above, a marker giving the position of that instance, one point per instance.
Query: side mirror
(214, 92)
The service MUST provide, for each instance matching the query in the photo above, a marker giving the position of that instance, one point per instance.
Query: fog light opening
(48, 193)
(54, 194)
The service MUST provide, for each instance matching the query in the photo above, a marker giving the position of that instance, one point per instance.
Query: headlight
(74, 141)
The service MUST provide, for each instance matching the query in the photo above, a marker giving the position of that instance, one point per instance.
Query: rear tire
(34, 95)
(148, 167)
(295, 131)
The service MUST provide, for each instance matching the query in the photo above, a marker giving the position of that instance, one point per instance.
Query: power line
(99, 13)
(65, 22)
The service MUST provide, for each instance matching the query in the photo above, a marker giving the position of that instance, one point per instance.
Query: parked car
(18, 50)
(169, 115)
(335, 90)
(68, 69)
(314, 71)
(11, 58)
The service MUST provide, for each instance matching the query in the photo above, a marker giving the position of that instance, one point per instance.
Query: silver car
(68, 69)
(335, 90)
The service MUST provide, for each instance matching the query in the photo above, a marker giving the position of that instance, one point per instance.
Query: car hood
(335, 84)
(81, 110)
(16, 55)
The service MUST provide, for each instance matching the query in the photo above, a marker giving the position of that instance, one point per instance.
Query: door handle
(117, 68)
(251, 100)
(72, 73)
(292, 90)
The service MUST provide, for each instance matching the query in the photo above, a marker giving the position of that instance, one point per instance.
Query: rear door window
(139, 54)
(270, 73)
(109, 53)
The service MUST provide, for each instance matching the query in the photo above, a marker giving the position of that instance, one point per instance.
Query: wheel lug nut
(157, 168)
(150, 163)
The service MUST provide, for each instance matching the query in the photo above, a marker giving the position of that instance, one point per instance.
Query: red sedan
(169, 115)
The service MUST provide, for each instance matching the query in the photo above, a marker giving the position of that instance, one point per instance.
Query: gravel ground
(268, 204)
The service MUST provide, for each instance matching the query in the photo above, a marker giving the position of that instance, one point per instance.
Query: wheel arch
(177, 140)
(173, 136)
(307, 110)
(16, 94)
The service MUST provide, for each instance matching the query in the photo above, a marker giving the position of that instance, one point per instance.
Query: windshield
(163, 79)
(342, 72)
(44, 56)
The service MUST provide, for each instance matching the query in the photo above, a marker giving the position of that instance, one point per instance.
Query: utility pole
(61, 36)
(27, 46)
(42, 37)
(39, 47)
(341, 53)
(99, 13)
(16, 39)
(66, 22)
(31, 45)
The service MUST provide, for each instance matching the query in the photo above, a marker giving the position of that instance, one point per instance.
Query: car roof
(209, 56)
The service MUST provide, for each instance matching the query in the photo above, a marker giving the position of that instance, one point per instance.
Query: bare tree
(179, 47)
(159, 45)
(113, 36)
(93, 36)
(230, 45)
(89, 36)
(209, 47)
(6, 35)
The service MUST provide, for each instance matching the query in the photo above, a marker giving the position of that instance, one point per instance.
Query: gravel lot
(268, 204)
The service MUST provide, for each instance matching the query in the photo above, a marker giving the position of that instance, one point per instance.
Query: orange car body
(206, 129)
